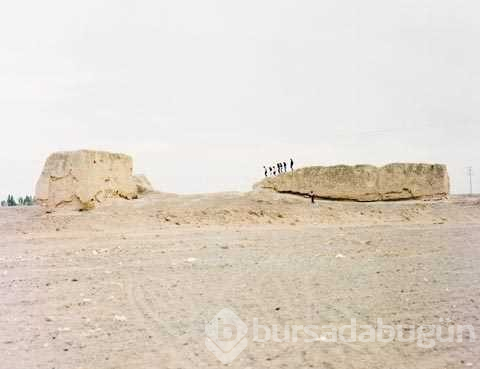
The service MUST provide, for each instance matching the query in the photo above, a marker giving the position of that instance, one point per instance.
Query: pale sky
(203, 93)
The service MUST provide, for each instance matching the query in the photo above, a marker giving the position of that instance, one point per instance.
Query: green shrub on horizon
(21, 201)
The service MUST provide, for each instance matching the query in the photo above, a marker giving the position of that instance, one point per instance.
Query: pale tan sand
(132, 284)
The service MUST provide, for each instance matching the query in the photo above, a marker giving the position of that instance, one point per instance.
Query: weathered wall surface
(364, 182)
(82, 179)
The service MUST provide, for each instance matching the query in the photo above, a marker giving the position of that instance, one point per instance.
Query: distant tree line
(21, 201)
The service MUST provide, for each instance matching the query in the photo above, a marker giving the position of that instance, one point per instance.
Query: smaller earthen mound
(142, 183)
(399, 181)
(83, 179)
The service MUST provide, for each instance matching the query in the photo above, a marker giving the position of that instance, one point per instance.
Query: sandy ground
(133, 284)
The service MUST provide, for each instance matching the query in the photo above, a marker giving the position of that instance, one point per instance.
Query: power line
(469, 174)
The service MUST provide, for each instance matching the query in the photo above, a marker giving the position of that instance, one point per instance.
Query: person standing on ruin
(312, 197)
(291, 164)
(266, 172)
(285, 167)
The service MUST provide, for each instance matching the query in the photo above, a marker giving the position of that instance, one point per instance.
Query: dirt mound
(398, 181)
(83, 179)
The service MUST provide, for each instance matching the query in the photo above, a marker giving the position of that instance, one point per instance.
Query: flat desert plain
(133, 284)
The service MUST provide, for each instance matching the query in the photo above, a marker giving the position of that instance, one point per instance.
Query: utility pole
(469, 174)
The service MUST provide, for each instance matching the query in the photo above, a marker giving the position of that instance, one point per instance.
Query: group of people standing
(277, 168)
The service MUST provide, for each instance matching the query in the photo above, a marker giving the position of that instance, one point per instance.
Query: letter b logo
(226, 336)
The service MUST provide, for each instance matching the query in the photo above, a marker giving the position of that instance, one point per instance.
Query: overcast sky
(203, 93)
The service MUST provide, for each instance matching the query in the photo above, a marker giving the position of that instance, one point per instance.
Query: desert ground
(132, 284)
